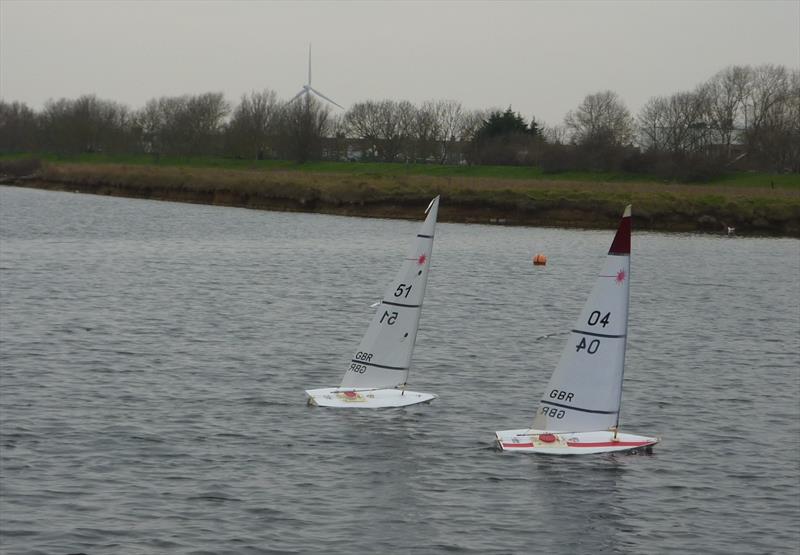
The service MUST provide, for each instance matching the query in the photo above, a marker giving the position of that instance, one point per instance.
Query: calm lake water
(154, 357)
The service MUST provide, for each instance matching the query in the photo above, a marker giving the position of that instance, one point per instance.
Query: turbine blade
(316, 92)
(309, 64)
(298, 95)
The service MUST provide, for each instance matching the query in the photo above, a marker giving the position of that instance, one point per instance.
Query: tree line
(743, 117)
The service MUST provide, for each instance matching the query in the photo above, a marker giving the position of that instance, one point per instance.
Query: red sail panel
(622, 240)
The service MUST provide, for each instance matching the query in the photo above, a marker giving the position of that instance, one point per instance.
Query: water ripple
(153, 357)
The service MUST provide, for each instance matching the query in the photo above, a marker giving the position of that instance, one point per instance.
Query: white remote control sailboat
(579, 411)
(378, 371)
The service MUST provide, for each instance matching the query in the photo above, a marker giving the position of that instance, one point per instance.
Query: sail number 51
(403, 288)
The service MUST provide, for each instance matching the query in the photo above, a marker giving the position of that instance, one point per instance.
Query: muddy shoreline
(527, 205)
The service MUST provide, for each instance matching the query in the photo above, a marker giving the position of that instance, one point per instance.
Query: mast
(426, 228)
(622, 246)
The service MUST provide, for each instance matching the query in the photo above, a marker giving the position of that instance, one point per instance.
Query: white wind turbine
(308, 89)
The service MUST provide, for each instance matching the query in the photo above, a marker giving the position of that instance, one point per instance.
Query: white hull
(572, 443)
(366, 398)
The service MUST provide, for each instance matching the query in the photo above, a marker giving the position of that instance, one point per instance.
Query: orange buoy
(539, 260)
(547, 438)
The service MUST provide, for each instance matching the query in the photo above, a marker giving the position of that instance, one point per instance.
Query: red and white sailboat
(579, 411)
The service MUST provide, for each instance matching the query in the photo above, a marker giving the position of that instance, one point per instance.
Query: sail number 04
(596, 317)
(591, 347)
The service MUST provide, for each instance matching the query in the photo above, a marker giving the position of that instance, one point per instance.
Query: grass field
(753, 203)
(377, 169)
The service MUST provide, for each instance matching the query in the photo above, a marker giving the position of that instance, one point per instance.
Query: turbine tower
(308, 89)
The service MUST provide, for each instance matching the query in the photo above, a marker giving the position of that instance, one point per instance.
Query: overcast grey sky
(541, 58)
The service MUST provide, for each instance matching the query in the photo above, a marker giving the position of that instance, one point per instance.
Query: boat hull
(572, 443)
(350, 398)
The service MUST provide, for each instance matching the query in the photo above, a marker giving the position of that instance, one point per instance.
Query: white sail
(383, 358)
(585, 391)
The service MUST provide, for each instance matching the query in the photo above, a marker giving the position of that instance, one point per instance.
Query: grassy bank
(759, 204)
(746, 179)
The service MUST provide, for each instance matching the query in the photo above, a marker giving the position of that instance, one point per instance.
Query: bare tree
(390, 138)
(253, 122)
(554, 134)
(406, 114)
(424, 132)
(185, 125)
(303, 125)
(18, 127)
(337, 148)
(363, 122)
(686, 123)
(674, 124)
(768, 87)
(86, 124)
(151, 121)
(601, 117)
(679, 140)
(750, 115)
(204, 119)
(471, 124)
(472, 121)
(771, 111)
(383, 127)
(792, 119)
(116, 130)
(724, 94)
(450, 124)
(652, 123)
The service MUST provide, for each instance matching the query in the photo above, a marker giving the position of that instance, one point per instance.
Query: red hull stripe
(610, 444)
(595, 444)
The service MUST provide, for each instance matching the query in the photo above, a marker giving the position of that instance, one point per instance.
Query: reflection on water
(594, 516)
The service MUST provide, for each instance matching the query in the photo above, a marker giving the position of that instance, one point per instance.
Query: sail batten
(579, 409)
(594, 334)
(383, 357)
(400, 368)
(401, 304)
